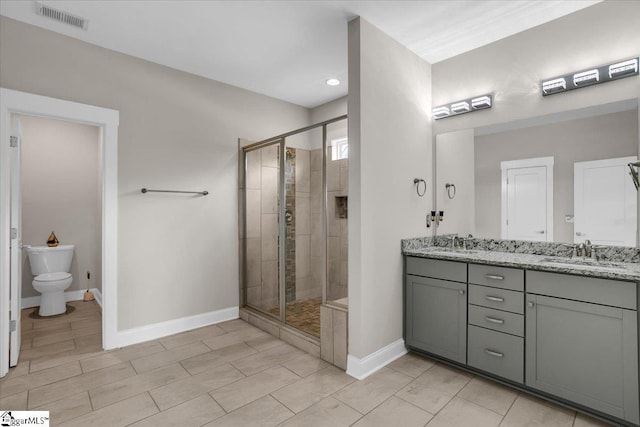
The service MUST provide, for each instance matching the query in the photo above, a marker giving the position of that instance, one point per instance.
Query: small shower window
(339, 149)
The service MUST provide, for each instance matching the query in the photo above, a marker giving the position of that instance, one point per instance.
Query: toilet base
(52, 303)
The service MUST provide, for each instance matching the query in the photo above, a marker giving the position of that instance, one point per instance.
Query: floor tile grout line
(481, 406)
(412, 404)
(510, 406)
(284, 404)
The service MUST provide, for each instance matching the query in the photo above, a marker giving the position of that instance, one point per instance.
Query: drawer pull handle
(494, 320)
(494, 277)
(461, 291)
(494, 299)
(530, 304)
(493, 353)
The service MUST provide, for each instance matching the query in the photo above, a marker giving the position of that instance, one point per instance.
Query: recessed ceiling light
(333, 82)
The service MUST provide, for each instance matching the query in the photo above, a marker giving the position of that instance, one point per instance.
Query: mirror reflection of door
(605, 202)
(527, 199)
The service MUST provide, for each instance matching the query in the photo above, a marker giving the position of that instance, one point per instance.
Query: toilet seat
(51, 277)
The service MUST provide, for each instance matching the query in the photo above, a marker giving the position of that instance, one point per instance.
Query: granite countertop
(604, 269)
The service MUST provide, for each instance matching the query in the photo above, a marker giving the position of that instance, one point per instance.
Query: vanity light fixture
(590, 77)
(463, 106)
(441, 112)
(553, 86)
(481, 102)
(332, 82)
(586, 77)
(460, 107)
(623, 68)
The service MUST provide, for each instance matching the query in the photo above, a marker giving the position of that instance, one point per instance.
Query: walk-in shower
(293, 211)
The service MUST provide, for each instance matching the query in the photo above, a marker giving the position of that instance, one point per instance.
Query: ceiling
(286, 49)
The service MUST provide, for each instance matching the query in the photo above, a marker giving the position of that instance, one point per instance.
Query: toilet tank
(44, 259)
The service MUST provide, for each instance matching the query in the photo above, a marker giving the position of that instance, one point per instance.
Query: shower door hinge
(14, 233)
(13, 141)
(12, 326)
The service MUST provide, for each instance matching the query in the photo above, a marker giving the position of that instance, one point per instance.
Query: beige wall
(389, 145)
(177, 255)
(60, 171)
(512, 68)
(593, 138)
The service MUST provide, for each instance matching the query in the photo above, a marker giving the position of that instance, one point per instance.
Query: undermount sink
(585, 262)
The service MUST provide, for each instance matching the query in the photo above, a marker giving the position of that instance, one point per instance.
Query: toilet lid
(50, 277)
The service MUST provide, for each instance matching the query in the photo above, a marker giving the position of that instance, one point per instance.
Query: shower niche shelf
(341, 206)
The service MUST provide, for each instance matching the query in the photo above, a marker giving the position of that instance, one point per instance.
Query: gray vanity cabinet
(436, 309)
(579, 350)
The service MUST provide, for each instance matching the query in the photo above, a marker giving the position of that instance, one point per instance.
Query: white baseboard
(362, 368)
(76, 295)
(97, 295)
(170, 327)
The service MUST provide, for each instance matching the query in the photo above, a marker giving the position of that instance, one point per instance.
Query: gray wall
(177, 255)
(389, 145)
(61, 174)
(594, 138)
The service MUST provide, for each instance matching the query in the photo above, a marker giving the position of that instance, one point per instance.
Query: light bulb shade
(460, 107)
(623, 68)
(555, 85)
(586, 77)
(481, 102)
(440, 112)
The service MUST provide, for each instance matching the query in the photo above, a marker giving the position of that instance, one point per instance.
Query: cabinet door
(585, 353)
(436, 319)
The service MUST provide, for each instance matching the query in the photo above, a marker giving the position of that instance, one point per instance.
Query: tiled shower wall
(337, 256)
(337, 185)
(306, 287)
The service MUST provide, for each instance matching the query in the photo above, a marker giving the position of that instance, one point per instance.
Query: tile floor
(233, 374)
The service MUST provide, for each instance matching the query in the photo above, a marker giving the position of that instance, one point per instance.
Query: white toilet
(51, 268)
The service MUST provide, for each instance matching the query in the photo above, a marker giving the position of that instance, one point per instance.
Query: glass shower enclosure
(293, 221)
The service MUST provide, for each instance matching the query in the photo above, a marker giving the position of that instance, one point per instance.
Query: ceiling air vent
(61, 16)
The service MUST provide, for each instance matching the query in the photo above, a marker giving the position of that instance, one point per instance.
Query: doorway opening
(15, 105)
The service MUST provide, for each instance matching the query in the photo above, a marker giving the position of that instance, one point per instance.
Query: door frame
(521, 164)
(16, 102)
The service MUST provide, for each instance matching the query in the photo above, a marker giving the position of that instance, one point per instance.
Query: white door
(527, 199)
(605, 201)
(16, 245)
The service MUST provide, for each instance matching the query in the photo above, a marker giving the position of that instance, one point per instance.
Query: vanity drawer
(496, 353)
(497, 320)
(500, 299)
(615, 293)
(498, 277)
(438, 269)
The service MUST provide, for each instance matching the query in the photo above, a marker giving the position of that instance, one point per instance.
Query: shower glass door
(262, 195)
(294, 224)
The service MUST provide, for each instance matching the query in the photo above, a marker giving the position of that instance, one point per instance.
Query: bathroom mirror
(561, 177)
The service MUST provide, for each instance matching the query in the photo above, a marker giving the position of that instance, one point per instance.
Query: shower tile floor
(233, 374)
(303, 315)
